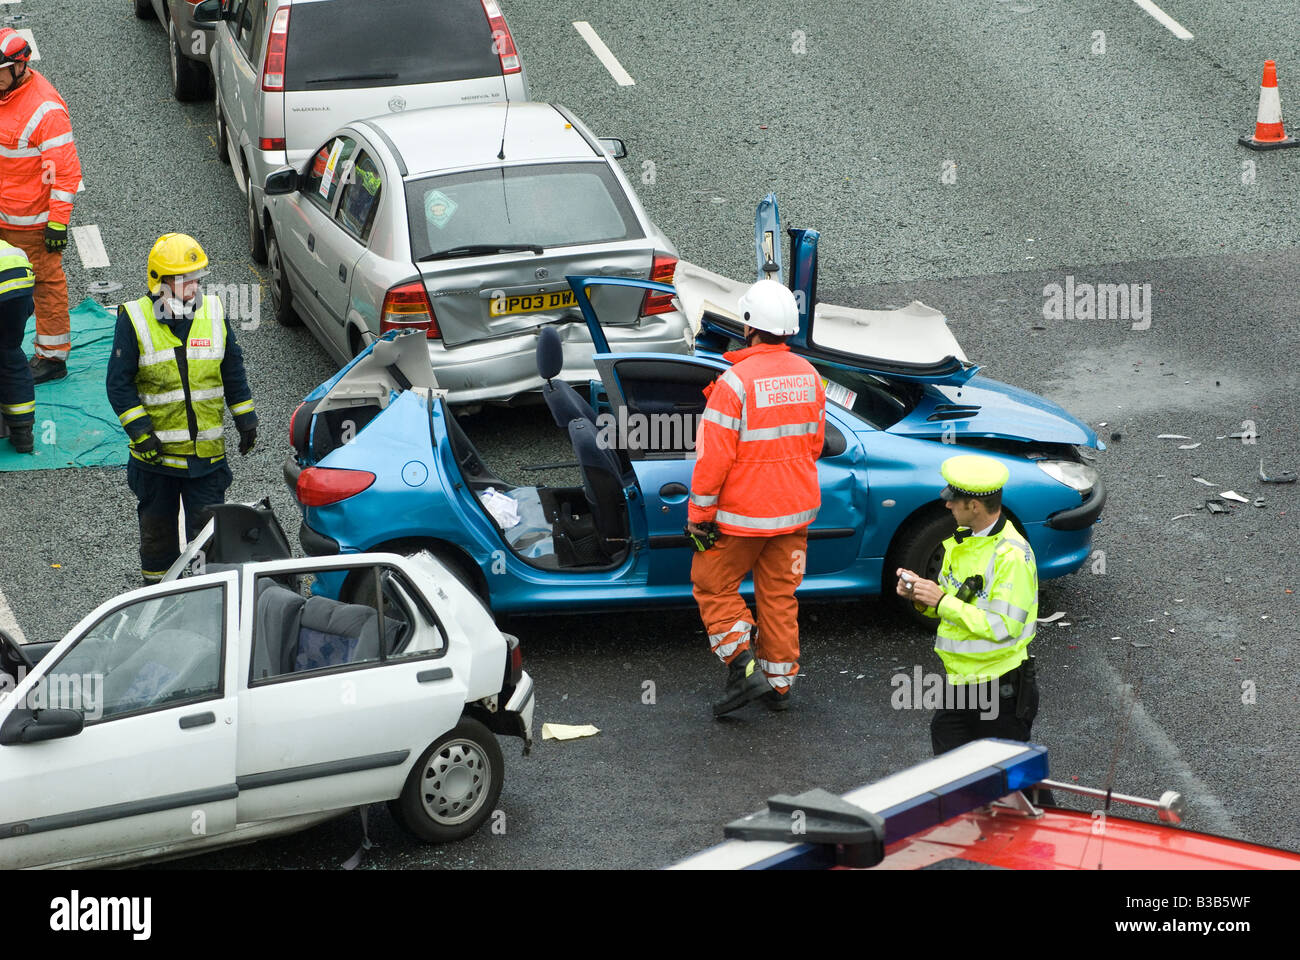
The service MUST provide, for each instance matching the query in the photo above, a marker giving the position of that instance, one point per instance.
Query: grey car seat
(278, 621)
(332, 633)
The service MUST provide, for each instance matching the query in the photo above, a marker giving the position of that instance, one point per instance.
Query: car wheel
(454, 785)
(281, 295)
(256, 239)
(189, 77)
(920, 548)
(223, 145)
(144, 9)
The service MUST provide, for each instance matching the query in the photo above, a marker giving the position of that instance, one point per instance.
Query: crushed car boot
(20, 437)
(44, 369)
(745, 682)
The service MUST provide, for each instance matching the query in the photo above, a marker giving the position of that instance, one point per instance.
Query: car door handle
(343, 273)
(673, 492)
(198, 720)
(311, 241)
(428, 676)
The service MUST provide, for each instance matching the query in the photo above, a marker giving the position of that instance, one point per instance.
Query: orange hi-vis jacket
(758, 443)
(39, 169)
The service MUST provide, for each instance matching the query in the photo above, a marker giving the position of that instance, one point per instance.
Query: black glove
(56, 237)
(147, 447)
(706, 542)
(246, 440)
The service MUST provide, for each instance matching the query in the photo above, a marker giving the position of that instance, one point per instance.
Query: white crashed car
(228, 704)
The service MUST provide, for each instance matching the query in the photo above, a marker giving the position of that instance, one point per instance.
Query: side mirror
(615, 147)
(33, 726)
(282, 182)
(209, 11)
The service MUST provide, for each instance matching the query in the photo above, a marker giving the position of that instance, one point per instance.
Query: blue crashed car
(380, 462)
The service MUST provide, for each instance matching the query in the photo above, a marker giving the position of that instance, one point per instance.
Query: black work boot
(20, 437)
(44, 369)
(777, 702)
(745, 682)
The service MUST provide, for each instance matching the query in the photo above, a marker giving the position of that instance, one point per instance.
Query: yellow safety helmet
(175, 255)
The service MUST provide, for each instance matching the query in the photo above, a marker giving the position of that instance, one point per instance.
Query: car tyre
(281, 295)
(223, 144)
(189, 77)
(256, 239)
(454, 786)
(144, 9)
(919, 547)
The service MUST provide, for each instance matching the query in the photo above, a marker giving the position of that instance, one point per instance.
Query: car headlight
(1078, 476)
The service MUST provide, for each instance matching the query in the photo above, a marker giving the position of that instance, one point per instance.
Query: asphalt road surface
(966, 153)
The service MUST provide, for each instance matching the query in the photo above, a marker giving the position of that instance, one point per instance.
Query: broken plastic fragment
(1286, 476)
(1171, 436)
(1215, 506)
(1182, 515)
(1053, 618)
(566, 731)
(1204, 481)
(1188, 446)
(1259, 502)
(1233, 495)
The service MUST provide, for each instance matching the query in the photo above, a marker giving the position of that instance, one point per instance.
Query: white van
(288, 72)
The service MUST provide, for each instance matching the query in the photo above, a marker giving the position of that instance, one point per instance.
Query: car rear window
(552, 204)
(349, 44)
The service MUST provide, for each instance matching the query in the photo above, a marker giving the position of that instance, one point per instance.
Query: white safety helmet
(769, 306)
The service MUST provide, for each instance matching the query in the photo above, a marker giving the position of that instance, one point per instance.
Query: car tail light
(270, 143)
(662, 272)
(321, 486)
(514, 661)
(292, 417)
(502, 42)
(273, 68)
(407, 307)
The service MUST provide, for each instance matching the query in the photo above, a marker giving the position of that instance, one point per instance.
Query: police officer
(986, 601)
(754, 492)
(17, 394)
(175, 365)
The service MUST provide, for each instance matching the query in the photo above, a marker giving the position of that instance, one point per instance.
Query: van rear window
(350, 44)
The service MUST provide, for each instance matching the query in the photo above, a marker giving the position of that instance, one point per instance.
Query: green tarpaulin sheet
(75, 425)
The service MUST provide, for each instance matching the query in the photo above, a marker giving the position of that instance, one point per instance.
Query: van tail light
(661, 272)
(407, 307)
(321, 486)
(270, 143)
(273, 68)
(502, 42)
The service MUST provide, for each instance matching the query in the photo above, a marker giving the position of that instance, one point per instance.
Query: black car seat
(605, 537)
(562, 400)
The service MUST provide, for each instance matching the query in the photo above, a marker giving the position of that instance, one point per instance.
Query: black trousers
(160, 496)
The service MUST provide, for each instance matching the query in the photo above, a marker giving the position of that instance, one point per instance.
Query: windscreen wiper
(475, 249)
(355, 76)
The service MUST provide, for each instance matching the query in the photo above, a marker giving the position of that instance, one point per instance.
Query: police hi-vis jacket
(758, 443)
(989, 636)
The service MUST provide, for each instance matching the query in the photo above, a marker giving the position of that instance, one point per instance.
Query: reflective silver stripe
(776, 433)
(977, 645)
(156, 399)
(135, 413)
(205, 353)
(216, 393)
(735, 383)
(53, 341)
(213, 434)
(18, 409)
(24, 221)
(778, 668)
(999, 628)
(702, 501)
(172, 436)
(739, 626)
(155, 357)
(24, 152)
(727, 649)
(167, 461)
(58, 141)
(241, 408)
(52, 354)
(1001, 606)
(37, 116)
(766, 523)
(65, 195)
(779, 683)
(721, 419)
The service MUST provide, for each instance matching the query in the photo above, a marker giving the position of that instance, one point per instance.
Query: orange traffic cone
(1269, 132)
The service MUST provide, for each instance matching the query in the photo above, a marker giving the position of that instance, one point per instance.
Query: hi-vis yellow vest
(158, 381)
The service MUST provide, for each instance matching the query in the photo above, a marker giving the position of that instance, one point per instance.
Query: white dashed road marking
(90, 246)
(27, 35)
(621, 76)
(8, 622)
(1176, 28)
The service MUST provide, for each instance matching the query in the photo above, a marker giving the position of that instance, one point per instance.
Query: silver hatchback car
(464, 222)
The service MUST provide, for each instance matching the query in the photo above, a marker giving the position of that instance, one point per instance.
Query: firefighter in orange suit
(753, 493)
(40, 173)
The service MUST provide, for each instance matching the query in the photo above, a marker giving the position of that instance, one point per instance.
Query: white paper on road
(566, 731)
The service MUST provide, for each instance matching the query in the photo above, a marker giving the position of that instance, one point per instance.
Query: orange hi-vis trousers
(778, 564)
(53, 326)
